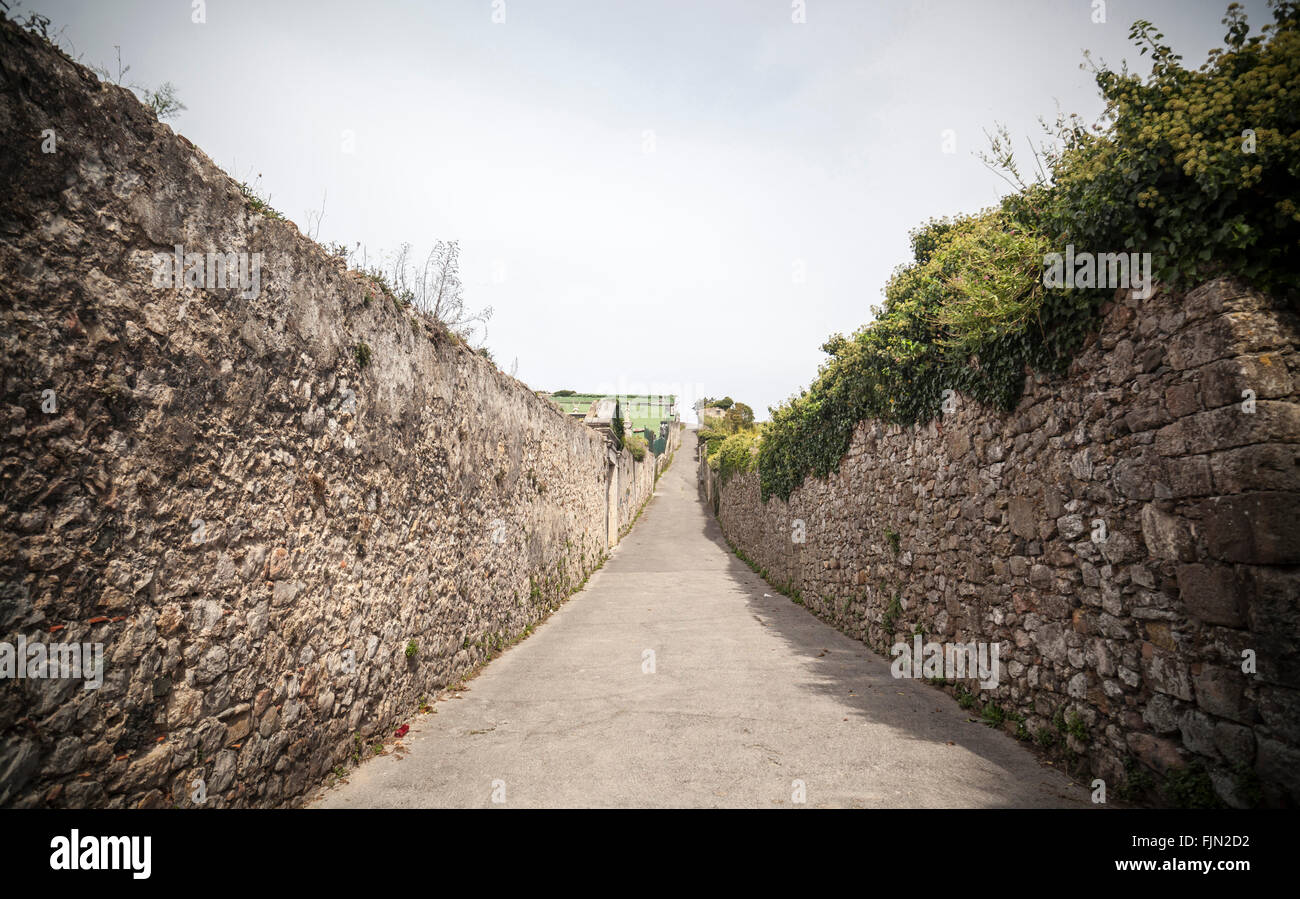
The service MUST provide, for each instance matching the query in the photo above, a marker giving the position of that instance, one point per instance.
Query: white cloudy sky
(775, 146)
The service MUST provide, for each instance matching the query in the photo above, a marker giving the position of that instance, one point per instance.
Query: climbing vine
(1199, 168)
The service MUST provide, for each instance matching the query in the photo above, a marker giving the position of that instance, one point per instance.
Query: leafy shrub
(1166, 171)
(1177, 174)
(712, 439)
(991, 275)
(739, 417)
(737, 454)
(636, 445)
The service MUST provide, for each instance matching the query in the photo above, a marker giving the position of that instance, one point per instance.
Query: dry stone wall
(1129, 536)
(287, 514)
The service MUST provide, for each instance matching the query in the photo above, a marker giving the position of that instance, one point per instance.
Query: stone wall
(1124, 536)
(287, 516)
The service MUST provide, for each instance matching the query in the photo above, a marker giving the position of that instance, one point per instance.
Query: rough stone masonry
(287, 514)
(1129, 536)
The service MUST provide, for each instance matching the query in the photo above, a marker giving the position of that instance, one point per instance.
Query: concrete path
(749, 694)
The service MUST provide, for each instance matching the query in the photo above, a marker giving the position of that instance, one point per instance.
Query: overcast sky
(637, 186)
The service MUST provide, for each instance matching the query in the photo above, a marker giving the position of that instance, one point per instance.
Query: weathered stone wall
(636, 482)
(1141, 634)
(707, 479)
(253, 517)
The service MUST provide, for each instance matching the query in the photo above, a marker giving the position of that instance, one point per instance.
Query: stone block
(1024, 518)
(1162, 714)
(1157, 753)
(1265, 466)
(1189, 476)
(1197, 730)
(1222, 692)
(1230, 426)
(1273, 611)
(1255, 528)
(1201, 343)
(1278, 766)
(1166, 536)
(1166, 673)
(1213, 594)
(1181, 400)
(1235, 743)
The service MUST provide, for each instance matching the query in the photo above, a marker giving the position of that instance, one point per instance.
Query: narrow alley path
(749, 695)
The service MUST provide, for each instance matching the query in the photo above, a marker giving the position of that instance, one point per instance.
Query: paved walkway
(750, 693)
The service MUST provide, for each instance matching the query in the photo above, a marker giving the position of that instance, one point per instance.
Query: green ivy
(1169, 170)
(737, 454)
(1179, 173)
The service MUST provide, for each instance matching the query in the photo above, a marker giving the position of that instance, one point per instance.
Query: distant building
(648, 415)
(709, 414)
